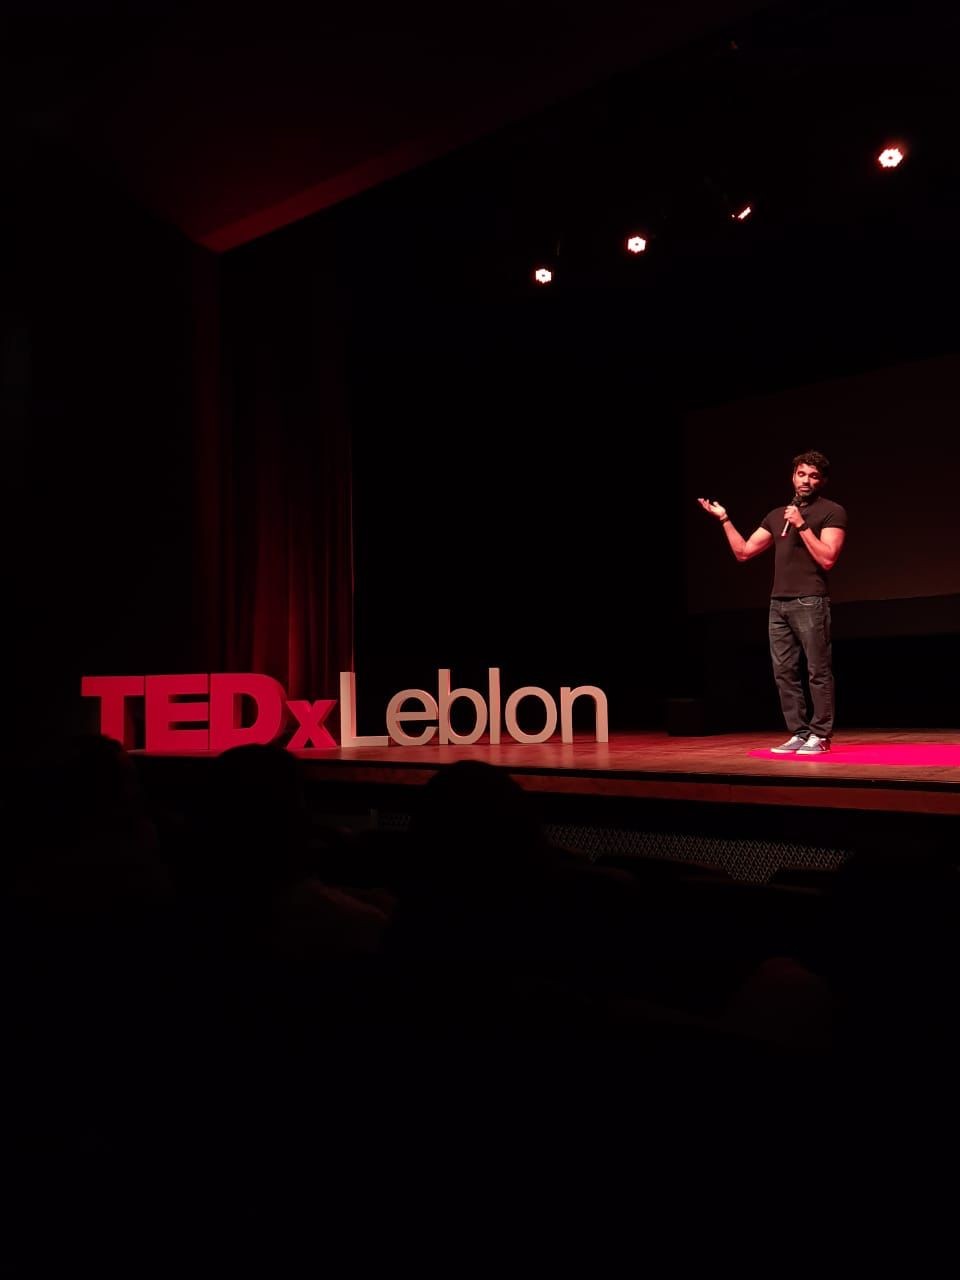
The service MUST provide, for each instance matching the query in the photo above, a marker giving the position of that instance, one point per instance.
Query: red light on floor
(890, 157)
(744, 213)
(636, 244)
(542, 275)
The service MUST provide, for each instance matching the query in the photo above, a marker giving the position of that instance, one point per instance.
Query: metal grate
(742, 859)
(750, 860)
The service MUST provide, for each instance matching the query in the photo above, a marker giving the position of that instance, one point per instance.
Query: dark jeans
(803, 625)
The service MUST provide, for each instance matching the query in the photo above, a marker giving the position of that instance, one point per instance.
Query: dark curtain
(96, 441)
(275, 564)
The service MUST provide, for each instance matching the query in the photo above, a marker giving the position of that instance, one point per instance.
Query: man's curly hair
(814, 459)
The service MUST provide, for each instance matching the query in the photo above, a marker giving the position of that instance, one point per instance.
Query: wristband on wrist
(802, 527)
(724, 519)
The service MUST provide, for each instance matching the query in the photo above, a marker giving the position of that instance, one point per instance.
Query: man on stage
(807, 537)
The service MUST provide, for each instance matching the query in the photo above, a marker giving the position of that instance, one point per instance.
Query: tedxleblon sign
(213, 705)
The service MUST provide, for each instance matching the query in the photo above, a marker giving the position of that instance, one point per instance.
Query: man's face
(806, 480)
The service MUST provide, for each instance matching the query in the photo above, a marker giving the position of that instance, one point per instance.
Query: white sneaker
(814, 746)
(790, 746)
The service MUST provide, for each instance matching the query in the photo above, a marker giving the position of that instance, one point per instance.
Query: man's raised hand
(712, 507)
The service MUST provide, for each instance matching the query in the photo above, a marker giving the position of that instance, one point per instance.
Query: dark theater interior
(447, 452)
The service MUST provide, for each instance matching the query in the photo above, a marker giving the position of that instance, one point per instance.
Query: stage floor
(899, 771)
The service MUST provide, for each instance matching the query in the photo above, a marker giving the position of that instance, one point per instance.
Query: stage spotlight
(890, 157)
(542, 275)
(744, 213)
(636, 244)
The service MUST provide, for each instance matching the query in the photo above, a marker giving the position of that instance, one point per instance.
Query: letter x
(310, 717)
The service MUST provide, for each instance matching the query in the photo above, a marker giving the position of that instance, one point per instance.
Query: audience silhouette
(253, 939)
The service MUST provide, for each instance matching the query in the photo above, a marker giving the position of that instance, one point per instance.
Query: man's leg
(785, 655)
(814, 629)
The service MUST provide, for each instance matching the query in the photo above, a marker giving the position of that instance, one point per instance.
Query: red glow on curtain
(275, 551)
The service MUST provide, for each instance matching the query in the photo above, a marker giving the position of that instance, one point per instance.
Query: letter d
(226, 729)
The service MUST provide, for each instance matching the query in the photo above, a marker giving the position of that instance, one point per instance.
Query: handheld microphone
(786, 523)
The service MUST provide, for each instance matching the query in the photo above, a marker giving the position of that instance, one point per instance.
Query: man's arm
(742, 548)
(825, 549)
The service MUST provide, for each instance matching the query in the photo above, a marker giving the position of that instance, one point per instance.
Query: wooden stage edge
(900, 771)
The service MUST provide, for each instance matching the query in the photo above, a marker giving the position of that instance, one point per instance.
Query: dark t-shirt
(796, 573)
